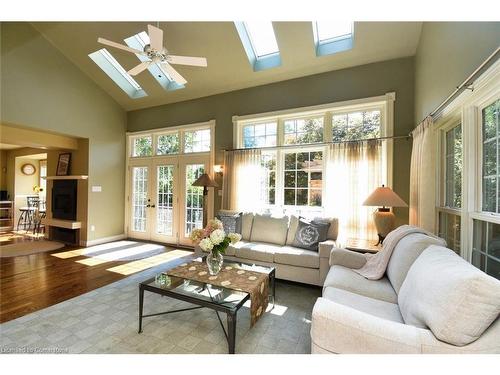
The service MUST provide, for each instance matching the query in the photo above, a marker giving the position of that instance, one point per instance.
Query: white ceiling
(228, 67)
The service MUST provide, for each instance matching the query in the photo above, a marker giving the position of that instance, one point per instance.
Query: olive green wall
(3, 170)
(353, 83)
(448, 52)
(41, 89)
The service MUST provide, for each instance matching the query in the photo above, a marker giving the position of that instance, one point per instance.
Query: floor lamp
(205, 181)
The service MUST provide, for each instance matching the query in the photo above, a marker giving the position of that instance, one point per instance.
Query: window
(142, 146)
(303, 178)
(453, 167)
(262, 37)
(295, 154)
(269, 179)
(486, 247)
(331, 30)
(332, 36)
(491, 167)
(260, 135)
(43, 178)
(115, 71)
(168, 144)
(356, 125)
(449, 228)
(197, 141)
(303, 131)
(260, 44)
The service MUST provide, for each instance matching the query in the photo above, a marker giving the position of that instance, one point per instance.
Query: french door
(162, 204)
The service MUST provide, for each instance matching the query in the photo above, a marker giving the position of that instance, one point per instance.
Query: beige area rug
(28, 247)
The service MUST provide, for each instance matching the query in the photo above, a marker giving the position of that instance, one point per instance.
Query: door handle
(153, 206)
(148, 205)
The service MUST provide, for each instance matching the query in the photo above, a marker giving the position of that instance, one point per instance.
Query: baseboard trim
(100, 241)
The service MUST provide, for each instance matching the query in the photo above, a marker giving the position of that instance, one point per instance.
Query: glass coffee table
(204, 295)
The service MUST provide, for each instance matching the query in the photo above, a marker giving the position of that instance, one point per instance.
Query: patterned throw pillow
(231, 222)
(310, 234)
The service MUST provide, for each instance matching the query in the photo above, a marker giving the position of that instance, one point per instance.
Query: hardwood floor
(33, 282)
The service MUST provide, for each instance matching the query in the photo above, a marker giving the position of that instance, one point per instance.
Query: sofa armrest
(347, 258)
(337, 328)
(325, 248)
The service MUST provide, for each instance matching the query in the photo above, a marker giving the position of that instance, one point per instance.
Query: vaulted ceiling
(228, 67)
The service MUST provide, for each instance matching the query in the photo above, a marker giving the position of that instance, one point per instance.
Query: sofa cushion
(246, 225)
(231, 221)
(292, 229)
(294, 256)
(269, 229)
(231, 249)
(263, 252)
(345, 278)
(442, 291)
(333, 230)
(310, 234)
(406, 251)
(382, 309)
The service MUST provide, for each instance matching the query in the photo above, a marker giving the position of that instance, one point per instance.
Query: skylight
(329, 30)
(138, 41)
(260, 44)
(117, 73)
(262, 36)
(333, 36)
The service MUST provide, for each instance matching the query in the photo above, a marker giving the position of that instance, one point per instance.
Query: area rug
(28, 247)
(105, 320)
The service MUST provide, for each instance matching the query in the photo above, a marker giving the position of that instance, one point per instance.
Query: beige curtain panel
(242, 180)
(354, 171)
(422, 176)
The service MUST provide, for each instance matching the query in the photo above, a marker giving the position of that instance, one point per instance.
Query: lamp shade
(384, 196)
(205, 181)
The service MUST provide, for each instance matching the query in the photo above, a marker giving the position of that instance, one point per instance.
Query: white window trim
(468, 106)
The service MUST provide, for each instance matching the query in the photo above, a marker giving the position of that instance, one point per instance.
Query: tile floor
(105, 321)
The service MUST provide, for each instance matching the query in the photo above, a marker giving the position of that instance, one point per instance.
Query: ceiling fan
(158, 54)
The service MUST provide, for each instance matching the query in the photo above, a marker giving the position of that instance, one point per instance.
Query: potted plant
(214, 241)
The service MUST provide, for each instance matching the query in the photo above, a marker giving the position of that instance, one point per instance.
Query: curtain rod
(466, 85)
(320, 143)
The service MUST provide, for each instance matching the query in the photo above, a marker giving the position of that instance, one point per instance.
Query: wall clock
(28, 169)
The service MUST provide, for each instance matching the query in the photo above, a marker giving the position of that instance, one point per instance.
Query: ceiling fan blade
(187, 60)
(120, 46)
(155, 37)
(139, 68)
(173, 73)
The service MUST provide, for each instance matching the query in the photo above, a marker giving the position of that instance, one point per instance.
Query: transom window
(303, 131)
(260, 135)
(172, 142)
(303, 178)
(142, 146)
(168, 144)
(491, 167)
(356, 125)
(197, 141)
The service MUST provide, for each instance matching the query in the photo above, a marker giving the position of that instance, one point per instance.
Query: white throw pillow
(246, 225)
(451, 297)
(292, 229)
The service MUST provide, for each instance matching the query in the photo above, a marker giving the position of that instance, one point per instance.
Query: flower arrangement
(213, 238)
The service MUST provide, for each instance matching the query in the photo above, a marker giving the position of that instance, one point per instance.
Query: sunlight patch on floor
(88, 251)
(142, 264)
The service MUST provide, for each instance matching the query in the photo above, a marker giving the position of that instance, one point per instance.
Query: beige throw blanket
(376, 264)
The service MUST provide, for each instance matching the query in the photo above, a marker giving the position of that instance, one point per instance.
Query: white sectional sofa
(430, 301)
(267, 241)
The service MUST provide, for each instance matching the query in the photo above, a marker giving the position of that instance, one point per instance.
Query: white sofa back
(404, 254)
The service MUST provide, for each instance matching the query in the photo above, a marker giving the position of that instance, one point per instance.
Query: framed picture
(63, 164)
